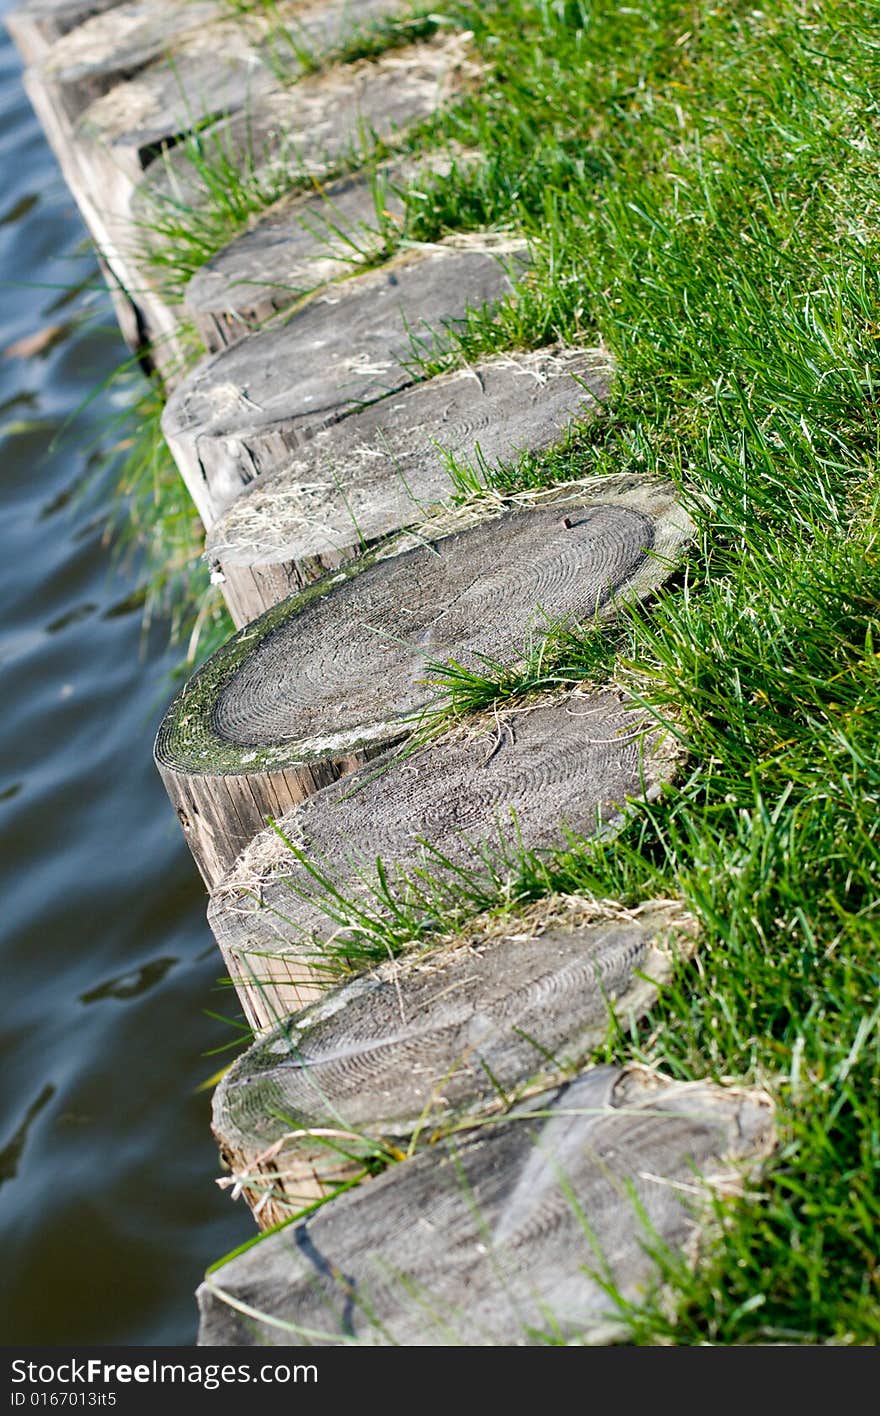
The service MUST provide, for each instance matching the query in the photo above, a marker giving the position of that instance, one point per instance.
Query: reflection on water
(108, 1211)
(11, 1153)
(129, 985)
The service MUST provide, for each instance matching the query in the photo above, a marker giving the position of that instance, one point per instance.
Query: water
(108, 1210)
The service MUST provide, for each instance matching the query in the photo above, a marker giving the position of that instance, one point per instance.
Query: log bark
(240, 413)
(386, 468)
(330, 677)
(494, 1239)
(435, 1038)
(303, 242)
(284, 915)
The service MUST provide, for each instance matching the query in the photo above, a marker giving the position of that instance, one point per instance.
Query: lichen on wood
(334, 674)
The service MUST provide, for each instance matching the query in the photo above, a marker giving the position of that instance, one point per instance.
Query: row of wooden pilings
(419, 1111)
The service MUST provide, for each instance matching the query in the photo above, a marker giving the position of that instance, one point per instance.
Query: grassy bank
(699, 187)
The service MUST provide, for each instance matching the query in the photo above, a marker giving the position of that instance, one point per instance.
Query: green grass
(699, 187)
(155, 526)
(291, 53)
(178, 238)
(289, 47)
(698, 184)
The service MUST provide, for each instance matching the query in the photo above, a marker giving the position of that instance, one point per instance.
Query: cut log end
(496, 1238)
(516, 779)
(241, 412)
(304, 241)
(452, 1032)
(387, 467)
(315, 124)
(36, 25)
(328, 679)
(109, 47)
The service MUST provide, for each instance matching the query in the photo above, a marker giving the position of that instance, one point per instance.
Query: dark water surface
(108, 1210)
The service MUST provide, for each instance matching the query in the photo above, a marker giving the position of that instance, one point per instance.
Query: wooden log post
(287, 915)
(387, 467)
(331, 676)
(109, 48)
(126, 85)
(304, 241)
(239, 413)
(456, 1032)
(93, 63)
(505, 1236)
(318, 124)
(208, 73)
(444, 1055)
(35, 25)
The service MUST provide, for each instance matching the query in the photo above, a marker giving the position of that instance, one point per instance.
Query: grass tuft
(154, 526)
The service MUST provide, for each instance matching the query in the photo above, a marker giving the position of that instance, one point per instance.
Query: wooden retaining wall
(318, 455)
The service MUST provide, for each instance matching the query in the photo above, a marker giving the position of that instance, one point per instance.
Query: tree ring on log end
(239, 414)
(288, 915)
(511, 1233)
(304, 241)
(331, 676)
(458, 1031)
(387, 467)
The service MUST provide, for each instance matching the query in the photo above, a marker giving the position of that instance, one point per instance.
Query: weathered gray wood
(467, 801)
(146, 75)
(387, 467)
(112, 46)
(35, 25)
(57, 131)
(459, 1031)
(213, 71)
(329, 677)
(304, 241)
(89, 60)
(202, 72)
(311, 127)
(240, 412)
(489, 1242)
(288, 136)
